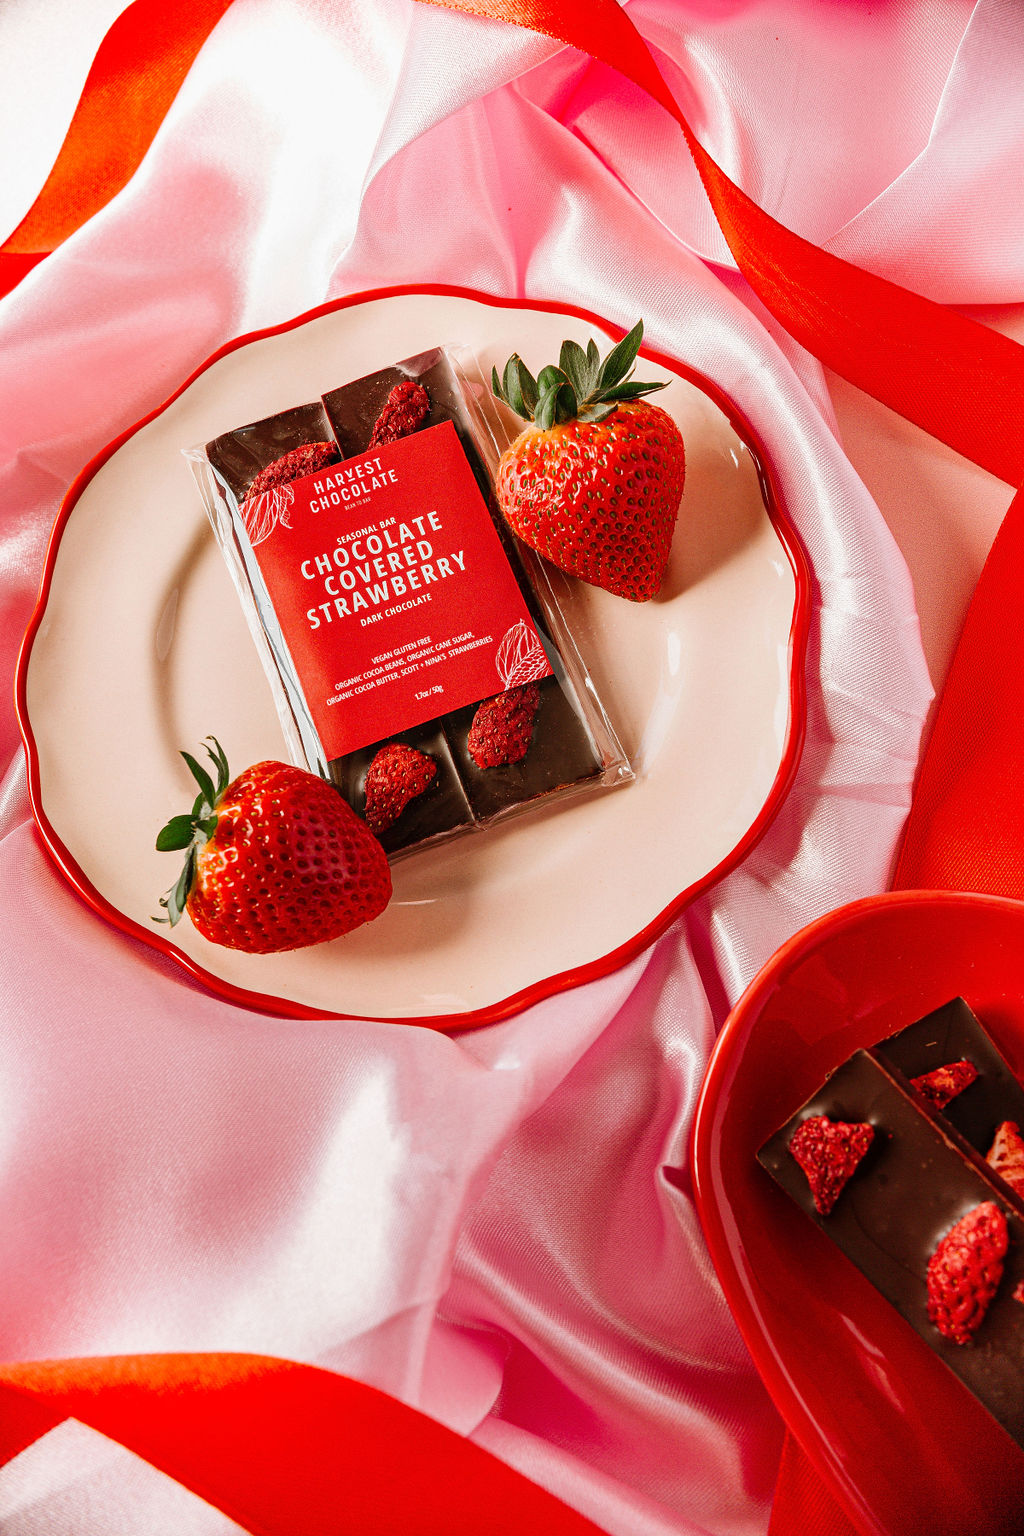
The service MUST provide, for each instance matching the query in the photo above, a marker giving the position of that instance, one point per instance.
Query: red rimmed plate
(905, 1448)
(138, 647)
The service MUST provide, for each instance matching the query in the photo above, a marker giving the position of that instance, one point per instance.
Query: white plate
(139, 648)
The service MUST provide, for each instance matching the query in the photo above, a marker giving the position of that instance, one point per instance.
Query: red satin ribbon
(966, 826)
(272, 1434)
(803, 1506)
(962, 383)
(135, 76)
(285, 1449)
(958, 380)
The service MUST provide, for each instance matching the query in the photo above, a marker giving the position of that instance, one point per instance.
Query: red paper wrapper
(419, 655)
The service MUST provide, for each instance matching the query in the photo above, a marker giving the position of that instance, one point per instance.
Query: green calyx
(195, 829)
(583, 387)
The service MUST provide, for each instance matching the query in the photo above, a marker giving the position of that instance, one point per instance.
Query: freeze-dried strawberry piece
(397, 775)
(965, 1270)
(828, 1151)
(502, 727)
(1006, 1155)
(292, 466)
(937, 1088)
(404, 410)
(1018, 1294)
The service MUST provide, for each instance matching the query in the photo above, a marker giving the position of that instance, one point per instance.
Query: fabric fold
(478, 1225)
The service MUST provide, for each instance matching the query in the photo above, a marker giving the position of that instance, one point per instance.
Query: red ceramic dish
(706, 686)
(902, 1444)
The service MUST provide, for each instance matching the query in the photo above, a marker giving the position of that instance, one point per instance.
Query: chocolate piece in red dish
(829, 1152)
(965, 1270)
(944, 1039)
(898, 1220)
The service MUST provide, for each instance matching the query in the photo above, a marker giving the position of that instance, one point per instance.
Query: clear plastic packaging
(417, 652)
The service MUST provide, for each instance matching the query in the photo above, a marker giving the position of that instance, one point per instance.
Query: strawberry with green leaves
(274, 859)
(594, 482)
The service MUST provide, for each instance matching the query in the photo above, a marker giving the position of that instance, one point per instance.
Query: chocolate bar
(917, 1179)
(396, 516)
(562, 752)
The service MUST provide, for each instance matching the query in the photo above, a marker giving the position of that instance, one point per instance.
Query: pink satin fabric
(481, 1226)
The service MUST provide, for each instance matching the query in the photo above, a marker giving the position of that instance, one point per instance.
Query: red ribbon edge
(284, 1449)
(958, 380)
(137, 72)
(906, 351)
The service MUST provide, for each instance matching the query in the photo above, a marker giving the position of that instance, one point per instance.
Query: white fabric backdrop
(478, 1225)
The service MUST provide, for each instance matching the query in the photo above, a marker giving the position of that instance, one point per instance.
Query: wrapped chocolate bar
(417, 653)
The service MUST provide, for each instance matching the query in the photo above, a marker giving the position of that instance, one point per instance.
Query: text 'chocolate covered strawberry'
(275, 859)
(965, 1270)
(594, 483)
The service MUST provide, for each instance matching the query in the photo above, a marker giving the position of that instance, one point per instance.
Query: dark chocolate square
(239, 456)
(954, 1033)
(441, 808)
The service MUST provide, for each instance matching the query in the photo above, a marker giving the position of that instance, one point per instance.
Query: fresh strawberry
(1006, 1155)
(937, 1088)
(828, 1151)
(305, 460)
(502, 727)
(397, 775)
(403, 412)
(965, 1270)
(594, 483)
(275, 859)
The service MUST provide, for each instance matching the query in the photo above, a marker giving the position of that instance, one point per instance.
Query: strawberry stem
(581, 388)
(191, 831)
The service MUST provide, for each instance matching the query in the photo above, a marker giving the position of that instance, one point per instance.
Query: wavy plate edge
(544, 987)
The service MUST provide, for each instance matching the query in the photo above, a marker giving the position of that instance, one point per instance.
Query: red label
(392, 589)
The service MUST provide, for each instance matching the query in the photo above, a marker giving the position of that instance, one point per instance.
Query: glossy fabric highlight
(479, 1226)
